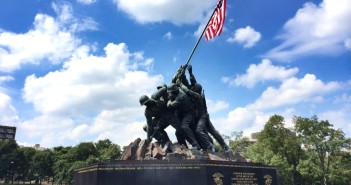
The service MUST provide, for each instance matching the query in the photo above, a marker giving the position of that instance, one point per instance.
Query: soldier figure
(169, 115)
(209, 126)
(182, 104)
(200, 116)
(154, 119)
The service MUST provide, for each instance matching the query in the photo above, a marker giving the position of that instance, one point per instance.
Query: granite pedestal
(175, 172)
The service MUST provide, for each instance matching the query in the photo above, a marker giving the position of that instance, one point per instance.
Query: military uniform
(182, 104)
(155, 120)
(208, 124)
(169, 116)
(199, 117)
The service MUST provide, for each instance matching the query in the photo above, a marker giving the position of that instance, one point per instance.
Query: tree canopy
(55, 165)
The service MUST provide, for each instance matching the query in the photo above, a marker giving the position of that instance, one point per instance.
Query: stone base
(175, 172)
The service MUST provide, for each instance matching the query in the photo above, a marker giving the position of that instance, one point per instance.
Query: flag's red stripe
(216, 24)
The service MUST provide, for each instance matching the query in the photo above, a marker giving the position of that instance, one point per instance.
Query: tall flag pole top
(214, 25)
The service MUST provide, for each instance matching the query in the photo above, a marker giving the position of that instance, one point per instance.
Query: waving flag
(216, 23)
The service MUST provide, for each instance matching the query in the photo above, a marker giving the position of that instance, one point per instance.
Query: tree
(281, 144)
(239, 143)
(258, 152)
(113, 152)
(28, 170)
(82, 151)
(8, 160)
(324, 143)
(103, 144)
(67, 159)
(61, 171)
(42, 164)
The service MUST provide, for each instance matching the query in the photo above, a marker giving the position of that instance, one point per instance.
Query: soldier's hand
(182, 73)
(178, 81)
(190, 69)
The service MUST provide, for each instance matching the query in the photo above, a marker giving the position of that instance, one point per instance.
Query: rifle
(155, 131)
(179, 73)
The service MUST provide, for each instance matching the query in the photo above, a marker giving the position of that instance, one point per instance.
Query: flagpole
(198, 40)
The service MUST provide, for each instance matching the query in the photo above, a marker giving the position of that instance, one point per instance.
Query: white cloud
(90, 97)
(215, 106)
(118, 125)
(89, 83)
(8, 114)
(339, 118)
(343, 98)
(247, 36)
(5, 79)
(347, 44)
(47, 130)
(51, 39)
(108, 123)
(242, 119)
(293, 91)
(95, 96)
(87, 2)
(68, 21)
(177, 12)
(168, 36)
(315, 29)
(259, 73)
(249, 121)
(46, 125)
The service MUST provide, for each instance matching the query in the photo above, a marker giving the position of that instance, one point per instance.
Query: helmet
(197, 88)
(144, 99)
(172, 88)
(161, 86)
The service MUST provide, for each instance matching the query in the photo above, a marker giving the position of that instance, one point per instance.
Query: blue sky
(73, 71)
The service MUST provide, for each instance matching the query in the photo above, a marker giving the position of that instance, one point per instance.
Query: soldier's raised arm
(188, 91)
(161, 91)
(192, 77)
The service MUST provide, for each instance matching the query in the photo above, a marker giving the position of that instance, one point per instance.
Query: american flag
(216, 23)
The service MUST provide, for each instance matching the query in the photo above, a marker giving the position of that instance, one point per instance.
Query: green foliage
(58, 164)
(236, 141)
(113, 152)
(261, 154)
(103, 144)
(326, 144)
(314, 155)
(42, 163)
(8, 159)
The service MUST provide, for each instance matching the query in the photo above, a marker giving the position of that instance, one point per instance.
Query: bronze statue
(183, 106)
(199, 115)
(181, 102)
(154, 119)
(209, 126)
(169, 115)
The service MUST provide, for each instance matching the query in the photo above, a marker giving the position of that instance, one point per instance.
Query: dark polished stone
(175, 172)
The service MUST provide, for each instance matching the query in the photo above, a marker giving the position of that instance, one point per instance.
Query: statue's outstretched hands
(190, 69)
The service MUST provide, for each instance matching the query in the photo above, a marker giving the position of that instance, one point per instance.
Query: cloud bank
(322, 29)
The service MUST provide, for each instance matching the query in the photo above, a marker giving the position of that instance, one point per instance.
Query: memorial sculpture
(181, 105)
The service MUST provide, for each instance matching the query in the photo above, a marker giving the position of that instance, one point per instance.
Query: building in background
(7, 133)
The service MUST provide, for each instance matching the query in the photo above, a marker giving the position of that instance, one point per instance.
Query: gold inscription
(243, 178)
